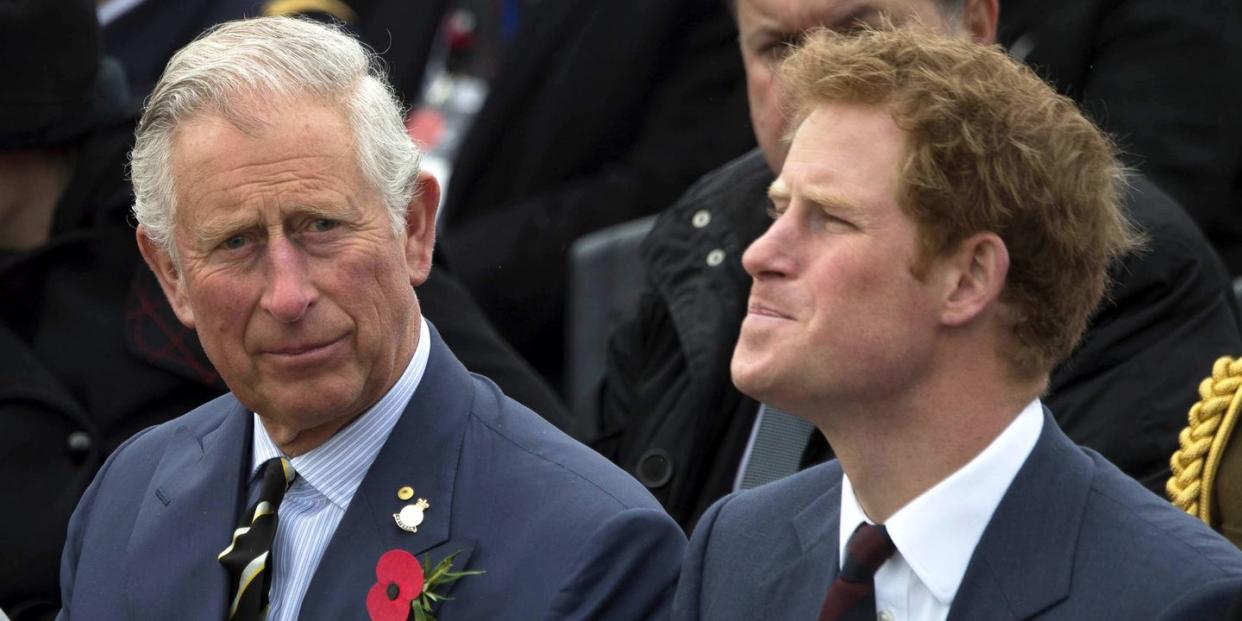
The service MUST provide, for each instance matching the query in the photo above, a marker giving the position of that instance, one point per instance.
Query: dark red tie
(852, 595)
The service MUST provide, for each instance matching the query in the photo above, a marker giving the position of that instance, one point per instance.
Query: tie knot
(277, 475)
(866, 550)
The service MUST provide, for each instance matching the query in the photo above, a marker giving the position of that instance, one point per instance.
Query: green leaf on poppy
(440, 575)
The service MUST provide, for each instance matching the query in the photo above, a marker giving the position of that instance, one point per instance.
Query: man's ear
(169, 276)
(978, 20)
(976, 276)
(420, 227)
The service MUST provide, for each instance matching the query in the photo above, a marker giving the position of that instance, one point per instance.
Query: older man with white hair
(355, 469)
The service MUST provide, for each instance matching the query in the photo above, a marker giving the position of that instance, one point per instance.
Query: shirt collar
(936, 533)
(336, 467)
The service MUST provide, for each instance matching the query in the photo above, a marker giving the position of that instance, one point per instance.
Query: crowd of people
(930, 289)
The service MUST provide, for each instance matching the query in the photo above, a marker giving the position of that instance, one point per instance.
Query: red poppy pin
(403, 586)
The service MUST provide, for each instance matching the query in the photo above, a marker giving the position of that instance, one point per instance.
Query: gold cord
(1203, 440)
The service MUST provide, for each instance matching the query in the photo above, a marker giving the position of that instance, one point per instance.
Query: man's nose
(290, 290)
(770, 255)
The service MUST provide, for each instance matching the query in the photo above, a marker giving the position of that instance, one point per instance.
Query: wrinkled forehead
(256, 113)
(293, 153)
(250, 132)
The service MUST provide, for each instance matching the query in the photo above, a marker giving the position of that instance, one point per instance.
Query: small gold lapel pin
(405, 493)
(411, 515)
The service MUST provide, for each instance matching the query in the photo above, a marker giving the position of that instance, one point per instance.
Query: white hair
(229, 68)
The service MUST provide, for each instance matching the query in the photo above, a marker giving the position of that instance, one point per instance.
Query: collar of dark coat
(154, 333)
(23, 377)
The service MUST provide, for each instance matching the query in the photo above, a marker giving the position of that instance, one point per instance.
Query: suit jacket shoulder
(564, 532)
(1075, 538)
(127, 537)
(765, 553)
(517, 435)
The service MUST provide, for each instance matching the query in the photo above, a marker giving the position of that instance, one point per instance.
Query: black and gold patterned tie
(248, 558)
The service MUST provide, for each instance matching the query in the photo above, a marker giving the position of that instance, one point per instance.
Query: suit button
(655, 468)
(715, 257)
(701, 218)
(79, 442)
(79, 445)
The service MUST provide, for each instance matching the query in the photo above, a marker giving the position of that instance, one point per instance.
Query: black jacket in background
(1164, 78)
(602, 111)
(672, 418)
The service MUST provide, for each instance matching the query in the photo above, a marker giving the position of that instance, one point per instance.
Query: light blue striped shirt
(327, 477)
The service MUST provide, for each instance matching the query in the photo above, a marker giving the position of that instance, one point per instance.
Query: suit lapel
(421, 452)
(797, 590)
(1024, 561)
(169, 566)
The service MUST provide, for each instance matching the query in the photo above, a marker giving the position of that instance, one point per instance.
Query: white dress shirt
(327, 477)
(936, 533)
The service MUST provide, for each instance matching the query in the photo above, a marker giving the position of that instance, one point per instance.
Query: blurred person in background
(600, 112)
(1162, 78)
(86, 354)
(143, 34)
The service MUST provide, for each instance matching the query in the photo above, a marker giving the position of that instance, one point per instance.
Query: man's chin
(297, 430)
(752, 375)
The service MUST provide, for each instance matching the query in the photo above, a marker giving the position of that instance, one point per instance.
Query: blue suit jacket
(561, 533)
(1073, 538)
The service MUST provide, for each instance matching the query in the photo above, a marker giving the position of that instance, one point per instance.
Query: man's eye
(323, 225)
(235, 242)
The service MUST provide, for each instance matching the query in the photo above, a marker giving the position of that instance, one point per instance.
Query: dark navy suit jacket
(1073, 538)
(561, 533)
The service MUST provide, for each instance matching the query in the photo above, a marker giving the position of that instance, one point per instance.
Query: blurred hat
(56, 85)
